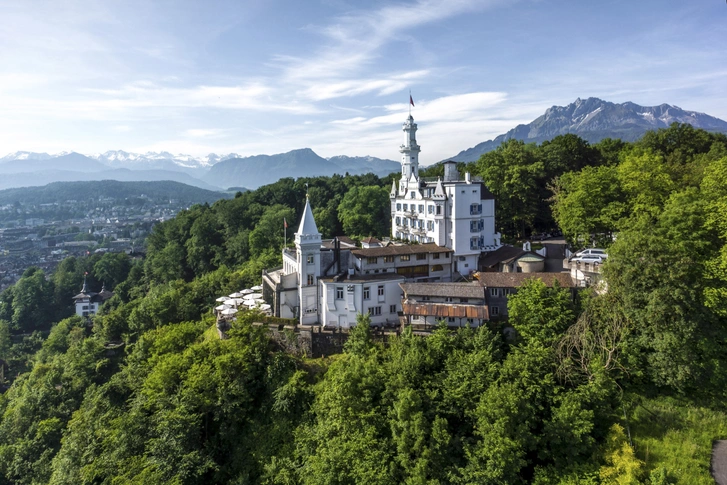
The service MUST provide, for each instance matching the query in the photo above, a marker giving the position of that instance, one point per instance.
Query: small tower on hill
(308, 252)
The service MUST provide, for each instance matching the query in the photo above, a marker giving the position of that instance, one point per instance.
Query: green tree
(366, 211)
(541, 314)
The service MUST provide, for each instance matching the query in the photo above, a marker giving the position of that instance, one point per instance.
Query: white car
(601, 253)
(588, 258)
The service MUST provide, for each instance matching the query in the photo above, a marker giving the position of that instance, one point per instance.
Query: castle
(446, 224)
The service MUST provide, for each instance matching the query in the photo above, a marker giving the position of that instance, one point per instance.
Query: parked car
(593, 252)
(588, 258)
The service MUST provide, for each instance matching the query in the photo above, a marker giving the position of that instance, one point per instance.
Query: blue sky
(259, 76)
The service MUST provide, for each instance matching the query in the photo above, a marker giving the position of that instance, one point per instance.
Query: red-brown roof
(444, 310)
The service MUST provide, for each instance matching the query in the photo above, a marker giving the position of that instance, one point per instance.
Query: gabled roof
(452, 290)
(506, 255)
(307, 222)
(403, 249)
(515, 280)
(439, 190)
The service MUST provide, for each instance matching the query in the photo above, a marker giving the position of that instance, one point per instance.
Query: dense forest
(624, 387)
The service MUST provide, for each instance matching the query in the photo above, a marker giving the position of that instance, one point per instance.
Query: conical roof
(307, 222)
(393, 189)
(439, 190)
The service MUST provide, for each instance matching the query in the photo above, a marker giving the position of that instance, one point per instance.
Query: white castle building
(457, 214)
(330, 282)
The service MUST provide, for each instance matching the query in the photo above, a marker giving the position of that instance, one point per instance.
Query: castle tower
(308, 251)
(409, 154)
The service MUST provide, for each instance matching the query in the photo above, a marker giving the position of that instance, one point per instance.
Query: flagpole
(410, 102)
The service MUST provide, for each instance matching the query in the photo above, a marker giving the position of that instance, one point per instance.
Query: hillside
(593, 120)
(64, 191)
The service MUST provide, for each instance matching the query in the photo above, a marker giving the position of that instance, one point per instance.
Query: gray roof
(505, 254)
(456, 290)
(403, 249)
(514, 280)
(368, 277)
(307, 222)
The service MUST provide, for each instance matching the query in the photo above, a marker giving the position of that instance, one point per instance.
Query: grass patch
(677, 436)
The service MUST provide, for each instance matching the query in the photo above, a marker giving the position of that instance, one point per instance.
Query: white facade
(458, 214)
(342, 299)
(308, 266)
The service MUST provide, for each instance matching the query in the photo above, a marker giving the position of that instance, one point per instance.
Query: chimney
(450, 171)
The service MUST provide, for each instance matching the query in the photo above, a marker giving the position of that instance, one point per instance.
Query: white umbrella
(253, 296)
(221, 307)
(230, 302)
(259, 301)
(247, 291)
(265, 307)
(257, 288)
(250, 303)
(239, 301)
(236, 294)
(229, 311)
(221, 299)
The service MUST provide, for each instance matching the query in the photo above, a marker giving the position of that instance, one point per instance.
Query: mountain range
(592, 119)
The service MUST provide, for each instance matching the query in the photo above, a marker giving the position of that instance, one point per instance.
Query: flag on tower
(285, 223)
(411, 100)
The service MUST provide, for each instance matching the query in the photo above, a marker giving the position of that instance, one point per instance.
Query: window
(435, 256)
(415, 318)
(430, 209)
(406, 207)
(421, 208)
(367, 293)
(448, 299)
(495, 311)
(380, 290)
(373, 260)
(421, 256)
(475, 209)
(398, 221)
(310, 259)
(495, 291)
(474, 226)
(412, 196)
(474, 243)
(439, 210)
(85, 307)
(309, 280)
(398, 207)
(430, 225)
(375, 310)
(446, 255)
(450, 319)
(392, 308)
(404, 257)
(425, 298)
(406, 222)
(339, 292)
(388, 259)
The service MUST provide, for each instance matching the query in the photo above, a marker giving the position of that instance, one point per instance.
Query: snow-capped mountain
(164, 160)
(594, 119)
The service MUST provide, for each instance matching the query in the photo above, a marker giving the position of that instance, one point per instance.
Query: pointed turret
(439, 190)
(307, 222)
(393, 192)
(409, 151)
